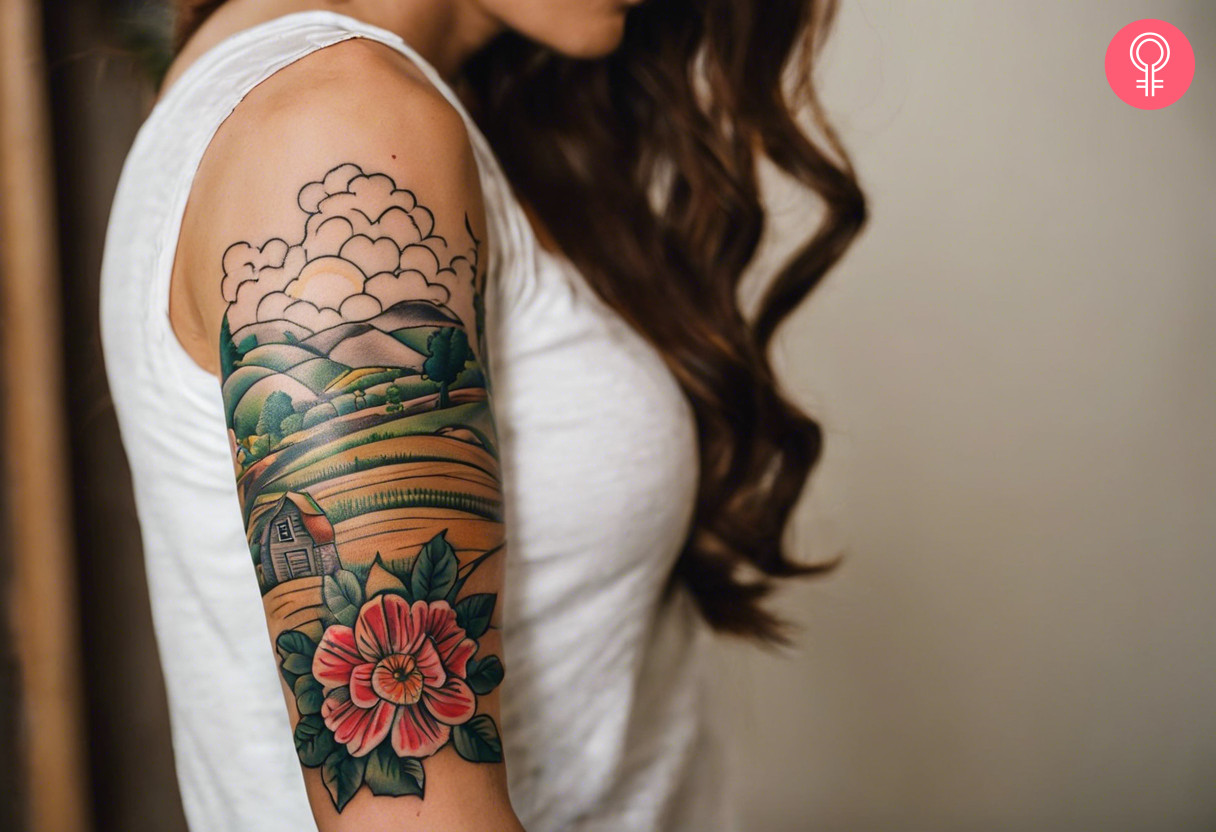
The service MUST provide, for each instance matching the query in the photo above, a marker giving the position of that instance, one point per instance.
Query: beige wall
(1017, 369)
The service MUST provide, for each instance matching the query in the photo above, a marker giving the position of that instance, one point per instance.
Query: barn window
(284, 530)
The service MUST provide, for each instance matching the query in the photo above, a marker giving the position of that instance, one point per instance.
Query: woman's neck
(445, 32)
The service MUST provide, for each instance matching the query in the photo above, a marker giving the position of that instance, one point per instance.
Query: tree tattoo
(368, 478)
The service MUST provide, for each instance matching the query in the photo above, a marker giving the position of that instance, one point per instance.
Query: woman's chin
(599, 42)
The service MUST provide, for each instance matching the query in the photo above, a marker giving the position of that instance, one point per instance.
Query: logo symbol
(1150, 64)
(1150, 83)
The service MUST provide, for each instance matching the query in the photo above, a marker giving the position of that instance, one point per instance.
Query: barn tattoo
(368, 477)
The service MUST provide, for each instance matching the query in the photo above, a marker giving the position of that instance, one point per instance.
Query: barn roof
(304, 502)
(315, 521)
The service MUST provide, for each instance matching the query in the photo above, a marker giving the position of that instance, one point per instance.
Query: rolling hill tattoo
(368, 478)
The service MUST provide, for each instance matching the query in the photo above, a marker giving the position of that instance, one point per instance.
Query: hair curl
(667, 133)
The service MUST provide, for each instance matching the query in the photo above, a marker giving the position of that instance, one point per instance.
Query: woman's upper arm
(335, 246)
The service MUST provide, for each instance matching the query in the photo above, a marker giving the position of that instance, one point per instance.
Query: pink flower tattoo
(399, 673)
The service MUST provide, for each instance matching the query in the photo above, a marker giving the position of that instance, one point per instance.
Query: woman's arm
(339, 234)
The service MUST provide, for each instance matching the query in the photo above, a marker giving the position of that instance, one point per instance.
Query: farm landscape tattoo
(368, 478)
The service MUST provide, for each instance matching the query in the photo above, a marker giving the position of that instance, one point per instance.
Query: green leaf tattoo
(293, 642)
(473, 613)
(309, 695)
(477, 740)
(314, 742)
(342, 775)
(388, 774)
(485, 674)
(434, 572)
(343, 595)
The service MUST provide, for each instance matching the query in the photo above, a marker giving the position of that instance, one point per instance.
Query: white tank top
(606, 719)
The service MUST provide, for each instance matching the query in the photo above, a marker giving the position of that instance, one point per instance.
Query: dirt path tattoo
(368, 478)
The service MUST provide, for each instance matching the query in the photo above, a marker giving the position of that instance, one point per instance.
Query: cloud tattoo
(367, 245)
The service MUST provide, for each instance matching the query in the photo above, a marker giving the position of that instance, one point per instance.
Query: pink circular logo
(1150, 64)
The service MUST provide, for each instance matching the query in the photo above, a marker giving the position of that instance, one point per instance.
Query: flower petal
(385, 626)
(439, 621)
(433, 673)
(336, 657)
(359, 729)
(361, 692)
(452, 704)
(458, 660)
(416, 733)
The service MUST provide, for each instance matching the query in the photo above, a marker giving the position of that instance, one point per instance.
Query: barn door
(297, 563)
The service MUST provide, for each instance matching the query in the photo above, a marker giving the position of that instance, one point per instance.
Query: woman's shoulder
(356, 104)
(347, 62)
(355, 86)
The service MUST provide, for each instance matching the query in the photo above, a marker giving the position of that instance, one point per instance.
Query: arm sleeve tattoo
(356, 398)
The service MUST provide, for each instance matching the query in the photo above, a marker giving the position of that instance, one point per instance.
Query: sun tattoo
(368, 478)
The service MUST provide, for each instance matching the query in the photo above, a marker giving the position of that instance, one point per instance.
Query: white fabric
(605, 714)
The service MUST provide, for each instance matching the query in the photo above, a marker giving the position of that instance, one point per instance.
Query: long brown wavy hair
(657, 147)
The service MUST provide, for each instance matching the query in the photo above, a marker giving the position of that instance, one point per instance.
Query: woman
(311, 195)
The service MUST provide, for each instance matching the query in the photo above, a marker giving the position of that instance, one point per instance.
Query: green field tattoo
(368, 478)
